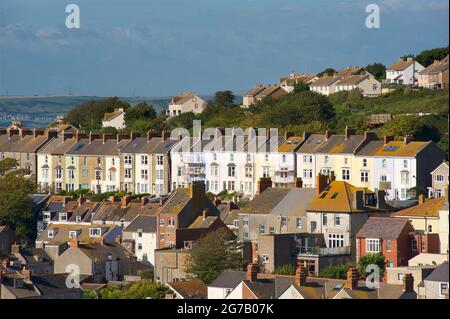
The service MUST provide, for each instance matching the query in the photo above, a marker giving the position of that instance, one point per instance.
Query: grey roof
(383, 227)
(228, 279)
(262, 288)
(97, 147)
(146, 223)
(27, 144)
(370, 148)
(56, 146)
(312, 143)
(337, 144)
(155, 145)
(29, 253)
(53, 285)
(440, 274)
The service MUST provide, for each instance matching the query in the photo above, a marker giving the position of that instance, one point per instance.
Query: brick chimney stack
(133, 135)
(151, 134)
(74, 242)
(328, 134)
(125, 201)
(78, 136)
(144, 200)
(407, 139)
(26, 274)
(298, 182)
(252, 272)
(263, 184)
(91, 137)
(370, 136)
(205, 213)
(81, 200)
(408, 282)
(420, 199)
(288, 134)
(301, 273)
(217, 201)
(387, 139)
(321, 182)
(164, 135)
(352, 278)
(112, 199)
(348, 132)
(118, 240)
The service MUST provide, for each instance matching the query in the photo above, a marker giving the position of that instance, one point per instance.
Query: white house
(325, 85)
(223, 285)
(141, 233)
(404, 72)
(366, 83)
(187, 102)
(115, 119)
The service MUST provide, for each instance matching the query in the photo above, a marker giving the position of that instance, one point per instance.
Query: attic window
(50, 233)
(73, 234)
(324, 194)
(334, 195)
(94, 232)
(78, 219)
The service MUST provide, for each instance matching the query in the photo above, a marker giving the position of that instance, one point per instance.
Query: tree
(212, 254)
(402, 125)
(301, 86)
(15, 201)
(109, 130)
(427, 57)
(336, 271)
(141, 111)
(287, 269)
(371, 259)
(327, 72)
(142, 289)
(378, 70)
(224, 97)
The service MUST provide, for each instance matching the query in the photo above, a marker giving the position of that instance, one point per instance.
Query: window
(443, 289)
(439, 178)
(307, 173)
(85, 172)
(236, 223)
(384, 163)
(58, 173)
(283, 221)
(139, 247)
(383, 178)
(50, 233)
(159, 174)
(261, 228)
(283, 158)
(271, 230)
(144, 159)
(364, 176)
(214, 157)
(345, 174)
(372, 245)
(326, 159)
(214, 170)
(374, 87)
(265, 258)
(72, 234)
(127, 159)
(400, 276)
(180, 171)
(248, 172)
(128, 173)
(112, 176)
(337, 220)
(62, 217)
(308, 159)
(335, 240)
(266, 171)
(98, 175)
(94, 232)
(45, 173)
(161, 222)
(404, 177)
(430, 228)
(266, 157)
(313, 226)
(299, 222)
(78, 219)
(171, 222)
(249, 157)
(113, 161)
(245, 220)
(245, 235)
(85, 161)
(364, 162)
(232, 171)
(346, 160)
(71, 173)
(144, 174)
(160, 160)
(231, 157)
(405, 163)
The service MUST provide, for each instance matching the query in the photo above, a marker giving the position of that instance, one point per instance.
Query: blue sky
(163, 47)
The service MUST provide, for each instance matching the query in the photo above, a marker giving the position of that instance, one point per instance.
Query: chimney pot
(420, 199)
(322, 182)
(252, 272)
(74, 242)
(301, 274)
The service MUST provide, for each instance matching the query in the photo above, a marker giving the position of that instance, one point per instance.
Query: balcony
(316, 251)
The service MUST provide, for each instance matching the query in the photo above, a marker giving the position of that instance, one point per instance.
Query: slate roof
(383, 227)
(29, 253)
(156, 145)
(254, 90)
(440, 274)
(27, 144)
(291, 144)
(313, 143)
(62, 233)
(429, 208)
(337, 144)
(53, 285)
(97, 147)
(109, 116)
(56, 146)
(146, 223)
(353, 79)
(400, 65)
(228, 279)
(325, 81)
(190, 289)
(392, 149)
(114, 212)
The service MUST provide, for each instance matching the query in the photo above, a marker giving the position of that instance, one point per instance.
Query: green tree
(212, 254)
(402, 125)
(371, 259)
(378, 70)
(224, 97)
(336, 271)
(145, 289)
(141, 111)
(109, 130)
(327, 72)
(427, 57)
(15, 201)
(301, 86)
(287, 269)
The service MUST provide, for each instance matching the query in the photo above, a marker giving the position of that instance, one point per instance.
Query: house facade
(188, 102)
(115, 119)
(404, 72)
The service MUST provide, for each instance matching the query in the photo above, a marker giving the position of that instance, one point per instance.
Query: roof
(338, 196)
(29, 255)
(206, 222)
(156, 145)
(109, 116)
(146, 223)
(291, 144)
(443, 164)
(295, 78)
(429, 208)
(262, 288)
(190, 289)
(176, 201)
(440, 274)
(254, 90)
(382, 227)
(353, 79)
(100, 252)
(393, 148)
(313, 143)
(400, 65)
(52, 285)
(349, 71)
(27, 144)
(268, 91)
(325, 81)
(280, 201)
(62, 233)
(57, 146)
(181, 99)
(338, 144)
(228, 279)
(115, 212)
(97, 147)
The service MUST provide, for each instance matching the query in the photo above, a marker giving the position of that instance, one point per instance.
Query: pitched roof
(27, 144)
(97, 147)
(313, 143)
(156, 145)
(228, 279)
(51, 285)
(291, 144)
(338, 144)
(146, 223)
(393, 148)
(62, 233)
(254, 90)
(439, 274)
(325, 81)
(400, 65)
(436, 68)
(112, 212)
(179, 199)
(429, 208)
(268, 91)
(349, 71)
(56, 146)
(201, 222)
(109, 116)
(338, 196)
(353, 79)
(383, 227)
(190, 289)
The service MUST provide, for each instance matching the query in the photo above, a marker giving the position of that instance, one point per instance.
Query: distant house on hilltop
(404, 72)
(115, 119)
(186, 102)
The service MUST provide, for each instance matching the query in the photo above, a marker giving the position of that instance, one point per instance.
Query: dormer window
(139, 231)
(62, 217)
(73, 234)
(51, 233)
(78, 219)
(95, 232)
(47, 216)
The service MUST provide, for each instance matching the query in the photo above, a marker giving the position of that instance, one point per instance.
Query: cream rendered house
(187, 102)
(325, 85)
(366, 83)
(115, 119)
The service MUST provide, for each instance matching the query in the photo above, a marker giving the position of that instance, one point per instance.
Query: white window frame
(373, 245)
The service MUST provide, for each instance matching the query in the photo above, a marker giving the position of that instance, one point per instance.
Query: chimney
(408, 282)
(74, 242)
(328, 134)
(91, 137)
(15, 248)
(151, 134)
(26, 274)
(321, 183)
(348, 132)
(164, 135)
(112, 199)
(252, 272)
(352, 278)
(125, 201)
(144, 200)
(305, 136)
(48, 133)
(133, 135)
(162, 201)
(78, 136)
(407, 139)
(217, 201)
(169, 296)
(358, 200)
(298, 182)
(370, 136)
(63, 136)
(388, 138)
(118, 240)
(301, 273)
(81, 200)
(22, 133)
(65, 201)
(205, 213)
(263, 184)
(36, 133)
(420, 199)
(288, 134)
(197, 189)
(381, 199)
(104, 138)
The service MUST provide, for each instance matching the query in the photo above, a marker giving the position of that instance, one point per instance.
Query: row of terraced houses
(68, 160)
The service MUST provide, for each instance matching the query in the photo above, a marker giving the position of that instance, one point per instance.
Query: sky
(164, 47)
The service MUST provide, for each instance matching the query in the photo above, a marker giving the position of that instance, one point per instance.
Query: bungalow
(249, 98)
(288, 83)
